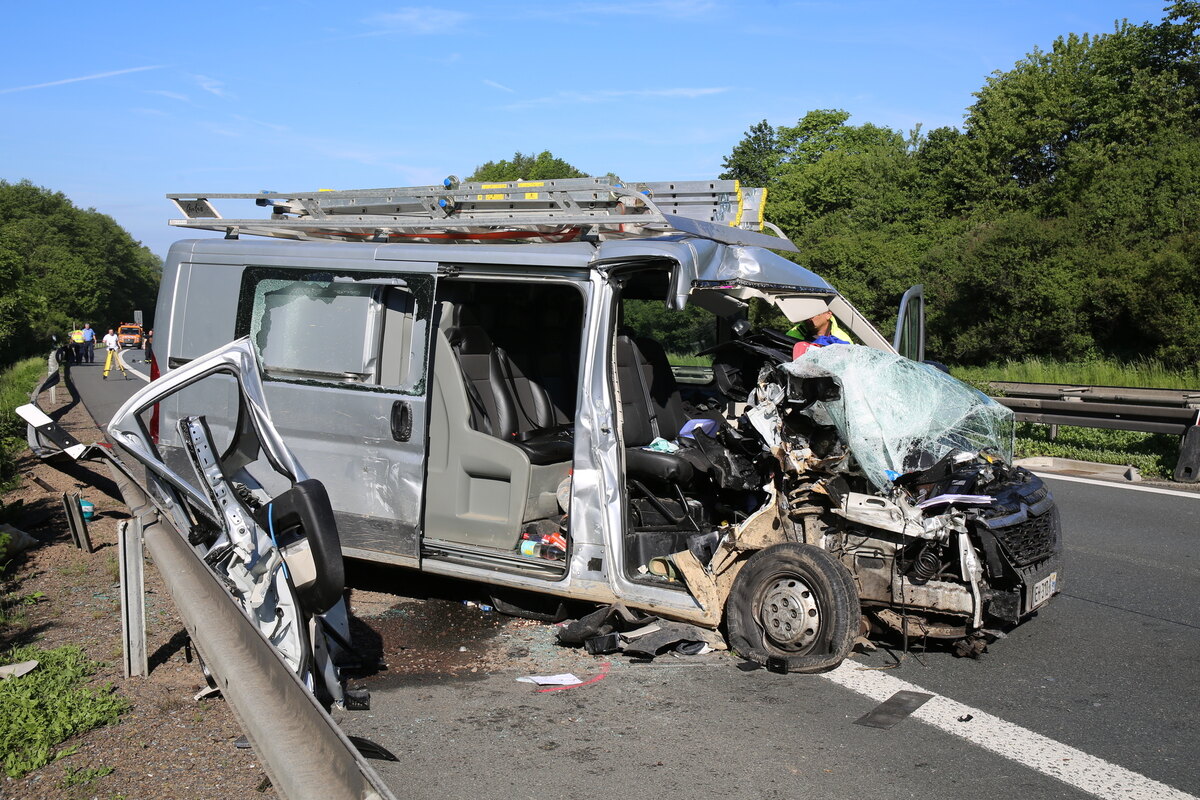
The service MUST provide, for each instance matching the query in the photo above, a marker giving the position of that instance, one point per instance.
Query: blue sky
(116, 104)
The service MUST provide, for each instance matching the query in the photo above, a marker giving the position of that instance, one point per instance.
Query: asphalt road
(1100, 688)
(103, 396)
(1108, 668)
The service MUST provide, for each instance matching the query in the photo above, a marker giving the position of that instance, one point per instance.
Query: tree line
(62, 266)
(1060, 221)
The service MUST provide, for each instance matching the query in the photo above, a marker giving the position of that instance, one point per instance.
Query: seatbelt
(476, 400)
(650, 407)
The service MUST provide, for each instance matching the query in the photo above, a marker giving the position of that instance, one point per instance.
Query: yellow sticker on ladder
(530, 183)
(531, 195)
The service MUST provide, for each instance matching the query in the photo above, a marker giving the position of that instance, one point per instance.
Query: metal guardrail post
(133, 598)
(1187, 470)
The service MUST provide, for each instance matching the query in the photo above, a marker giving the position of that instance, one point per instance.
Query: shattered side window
(350, 328)
(314, 329)
(898, 415)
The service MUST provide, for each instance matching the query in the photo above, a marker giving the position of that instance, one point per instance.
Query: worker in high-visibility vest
(76, 345)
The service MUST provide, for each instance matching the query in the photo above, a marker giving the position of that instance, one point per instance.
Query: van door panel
(341, 352)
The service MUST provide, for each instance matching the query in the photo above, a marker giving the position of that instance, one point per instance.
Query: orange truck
(129, 334)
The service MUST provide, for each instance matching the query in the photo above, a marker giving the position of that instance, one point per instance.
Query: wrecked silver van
(459, 366)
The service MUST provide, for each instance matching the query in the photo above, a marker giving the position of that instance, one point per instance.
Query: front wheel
(793, 603)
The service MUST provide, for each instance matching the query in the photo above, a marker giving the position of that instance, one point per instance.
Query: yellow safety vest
(77, 337)
(802, 330)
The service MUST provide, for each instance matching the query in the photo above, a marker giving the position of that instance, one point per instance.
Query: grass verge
(44, 708)
(1154, 454)
(1146, 373)
(16, 383)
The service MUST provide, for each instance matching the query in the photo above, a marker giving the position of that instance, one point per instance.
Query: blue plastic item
(706, 426)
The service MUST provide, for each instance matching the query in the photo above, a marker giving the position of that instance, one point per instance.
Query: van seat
(505, 403)
(650, 408)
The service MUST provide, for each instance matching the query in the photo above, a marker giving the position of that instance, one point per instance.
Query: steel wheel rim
(789, 613)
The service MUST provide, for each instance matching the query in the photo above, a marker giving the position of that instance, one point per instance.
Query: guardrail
(1126, 408)
(301, 747)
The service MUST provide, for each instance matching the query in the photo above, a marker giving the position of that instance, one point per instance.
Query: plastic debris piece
(894, 709)
(564, 679)
(18, 541)
(368, 749)
(901, 415)
(706, 426)
(17, 670)
(600, 645)
(661, 445)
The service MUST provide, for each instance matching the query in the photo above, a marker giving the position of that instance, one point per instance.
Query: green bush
(16, 383)
(1154, 454)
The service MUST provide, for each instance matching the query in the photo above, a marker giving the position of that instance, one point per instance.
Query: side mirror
(910, 324)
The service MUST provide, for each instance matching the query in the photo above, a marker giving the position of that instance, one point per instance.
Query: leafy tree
(60, 265)
(755, 159)
(542, 167)
(1061, 220)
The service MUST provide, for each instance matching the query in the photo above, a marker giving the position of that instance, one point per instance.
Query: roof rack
(551, 210)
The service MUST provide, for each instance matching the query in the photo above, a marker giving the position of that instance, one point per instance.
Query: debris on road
(615, 628)
(565, 679)
(893, 710)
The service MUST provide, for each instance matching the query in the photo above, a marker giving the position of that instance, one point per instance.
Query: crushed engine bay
(897, 470)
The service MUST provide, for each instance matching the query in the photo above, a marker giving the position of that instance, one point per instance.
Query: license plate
(1044, 589)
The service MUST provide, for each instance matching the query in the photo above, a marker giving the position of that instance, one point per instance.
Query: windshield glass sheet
(898, 415)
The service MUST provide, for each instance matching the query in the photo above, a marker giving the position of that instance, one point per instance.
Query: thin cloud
(609, 95)
(426, 20)
(211, 85)
(499, 86)
(94, 77)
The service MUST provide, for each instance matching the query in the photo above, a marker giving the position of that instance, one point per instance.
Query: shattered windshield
(898, 415)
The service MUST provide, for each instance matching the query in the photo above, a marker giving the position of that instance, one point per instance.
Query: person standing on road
(76, 344)
(113, 346)
(148, 345)
(89, 344)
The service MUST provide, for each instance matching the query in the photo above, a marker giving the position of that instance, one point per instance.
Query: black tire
(781, 586)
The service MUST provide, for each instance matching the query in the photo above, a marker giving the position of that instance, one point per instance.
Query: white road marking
(1115, 485)
(121, 358)
(1040, 753)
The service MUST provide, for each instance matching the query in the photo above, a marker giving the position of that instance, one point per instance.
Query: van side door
(345, 360)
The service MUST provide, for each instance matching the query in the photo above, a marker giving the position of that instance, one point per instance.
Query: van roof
(700, 263)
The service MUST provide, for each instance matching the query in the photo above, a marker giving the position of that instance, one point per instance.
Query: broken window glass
(315, 329)
(898, 415)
